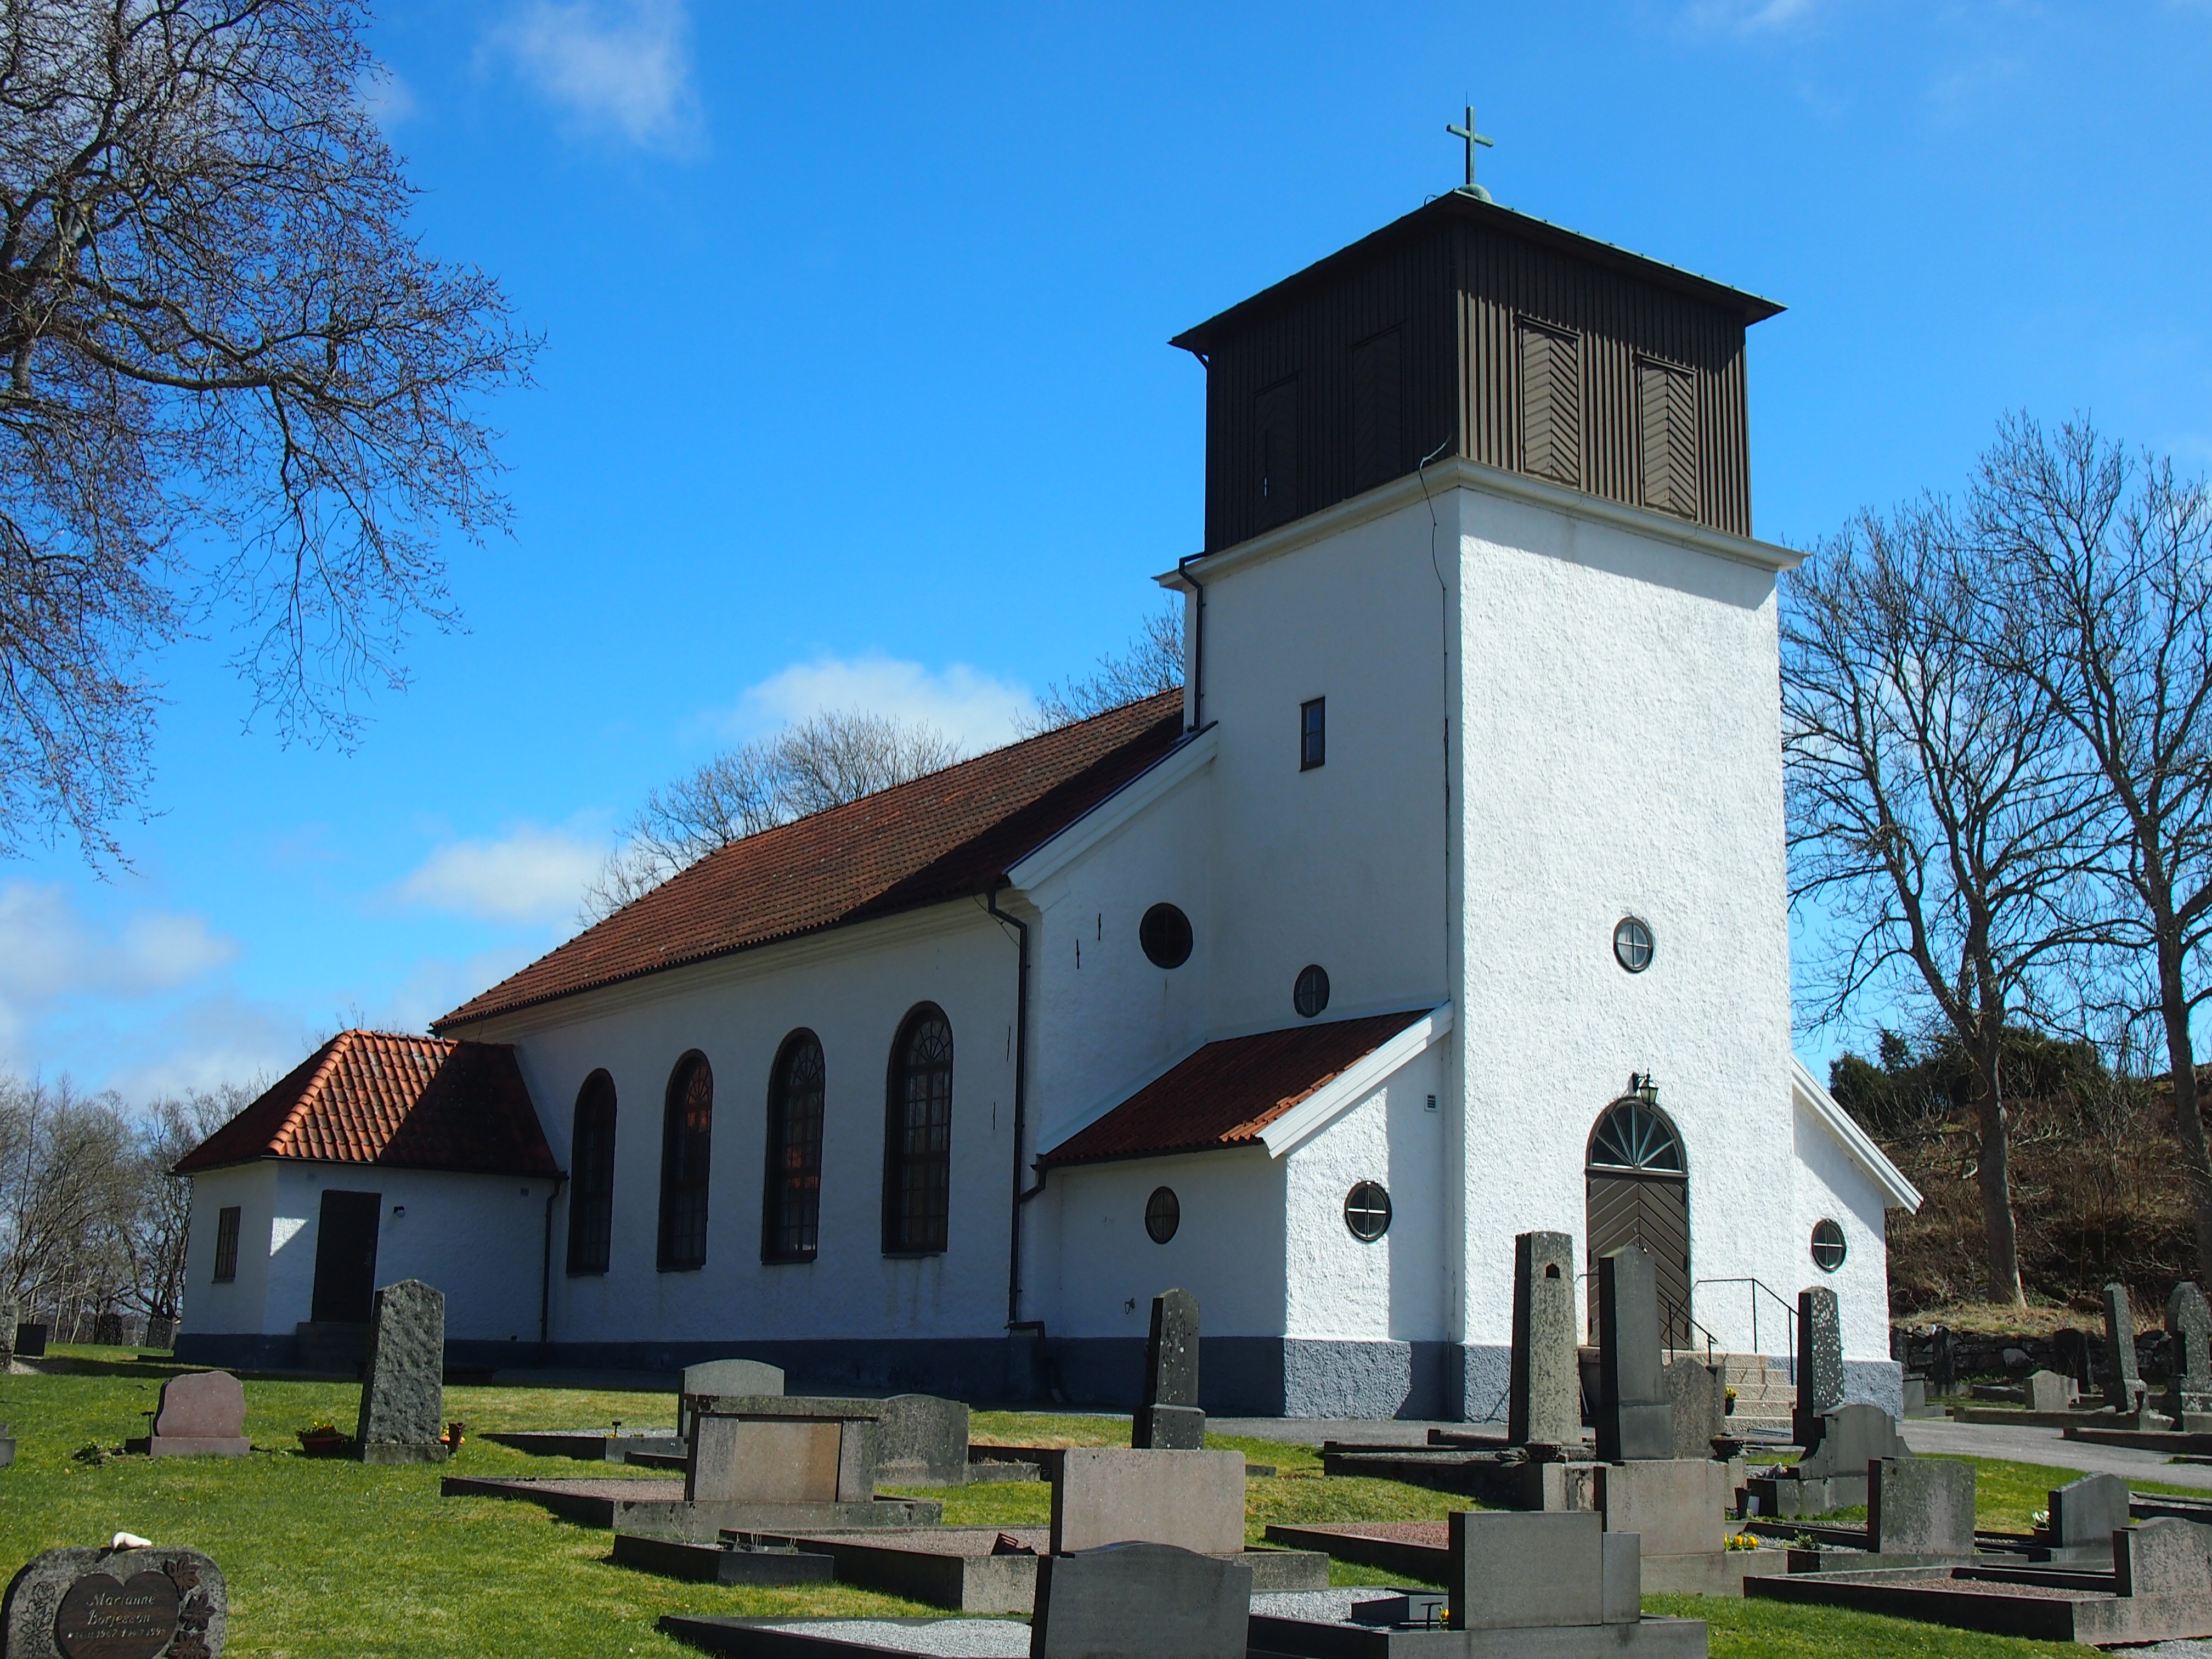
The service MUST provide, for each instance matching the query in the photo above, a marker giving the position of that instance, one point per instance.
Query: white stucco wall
(1394, 1289)
(478, 1238)
(240, 1303)
(852, 988)
(1831, 1184)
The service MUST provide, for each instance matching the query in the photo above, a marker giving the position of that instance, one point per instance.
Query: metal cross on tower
(1472, 138)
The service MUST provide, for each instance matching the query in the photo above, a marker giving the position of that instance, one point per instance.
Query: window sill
(679, 1266)
(788, 1261)
(912, 1255)
(588, 1273)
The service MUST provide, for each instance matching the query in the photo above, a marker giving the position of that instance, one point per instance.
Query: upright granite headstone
(2189, 1321)
(402, 1402)
(2047, 1391)
(923, 1441)
(1106, 1495)
(1169, 1418)
(2085, 1513)
(107, 1330)
(1544, 1401)
(1521, 1571)
(2161, 1556)
(1633, 1418)
(1140, 1601)
(1851, 1438)
(202, 1414)
(116, 1604)
(1819, 1363)
(2123, 1385)
(7, 1447)
(1697, 1405)
(10, 1312)
(1920, 1507)
(724, 1376)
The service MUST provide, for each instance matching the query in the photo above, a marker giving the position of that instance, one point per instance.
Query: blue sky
(856, 389)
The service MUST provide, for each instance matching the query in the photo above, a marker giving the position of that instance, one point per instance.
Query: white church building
(1446, 901)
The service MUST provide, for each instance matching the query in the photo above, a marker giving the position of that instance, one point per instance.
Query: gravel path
(2027, 1445)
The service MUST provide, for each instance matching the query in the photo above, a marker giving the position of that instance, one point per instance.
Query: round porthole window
(1632, 943)
(1367, 1210)
(1828, 1246)
(1310, 994)
(1163, 1214)
(1165, 934)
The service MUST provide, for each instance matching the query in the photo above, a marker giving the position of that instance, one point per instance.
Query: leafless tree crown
(1152, 663)
(821, 761)
(233, 387)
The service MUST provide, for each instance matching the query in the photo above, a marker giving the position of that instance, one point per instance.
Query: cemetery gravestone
(160, 1331)
(923, 1441)
(1192, 1499)
(107, 1330)
(1169, 1418)
(1142, 1601)
(1544, 1402)
(2123, 1385)
(1920, 1507)
(403, 1400)
(724, 1376)
(2165, 1556)
(1697, 1402)
(1819, 1363)
(1522, 1572)
(116, 1604)
(1633, 1418)
(1851, 1437)
(9, 1313)
(7, 1447)
(202, 1414)
(2189, 1321)
(30, 1341)
(2085, 1513)
(2047, 1391)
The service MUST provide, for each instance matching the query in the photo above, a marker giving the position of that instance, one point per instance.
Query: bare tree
(2107, 561)
(822, 762)
(159, 1225)
(62, 1195)
(1935, 807)
(232, 384)
(1152, 663)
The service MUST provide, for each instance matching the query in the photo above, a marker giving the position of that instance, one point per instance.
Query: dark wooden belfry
(1466, 328)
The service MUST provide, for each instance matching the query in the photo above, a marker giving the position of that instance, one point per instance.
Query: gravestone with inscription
(2189, 1322)
(116, 1604)
(202, 1414)
(403, 1400)
(1169, 1418)
(1544, 1401)
(1819, 1363)
(1134, 1601)
(1633, 1418)
(2123, 1385)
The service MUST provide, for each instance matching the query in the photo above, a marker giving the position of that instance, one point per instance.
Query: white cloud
(49, 949)
(532, 875)
(383, 96)
(211, 1040)
(975, 709)
(625, 64)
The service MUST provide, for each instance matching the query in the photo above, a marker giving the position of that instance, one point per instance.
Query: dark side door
(345, 1258)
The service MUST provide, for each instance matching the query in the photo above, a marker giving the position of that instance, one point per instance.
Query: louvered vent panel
(1668, 409)
(1378, 402)
(1551, 404)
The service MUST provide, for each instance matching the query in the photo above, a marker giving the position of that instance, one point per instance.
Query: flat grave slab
(1341, 1623)
(589, 1446)
(1412, 1549)
(715, 1564)
(829, 1639)
(655, 1505)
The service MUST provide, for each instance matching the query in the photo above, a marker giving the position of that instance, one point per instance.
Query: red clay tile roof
(413, 1102)
(952, 833)
(1228, 1091)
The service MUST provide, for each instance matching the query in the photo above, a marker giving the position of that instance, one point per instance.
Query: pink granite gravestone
(202, 1414)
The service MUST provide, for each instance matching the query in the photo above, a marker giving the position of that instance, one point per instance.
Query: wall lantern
(1644, 1087)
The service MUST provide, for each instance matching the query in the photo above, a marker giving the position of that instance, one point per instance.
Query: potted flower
(322, 1440)
(1728, 1407)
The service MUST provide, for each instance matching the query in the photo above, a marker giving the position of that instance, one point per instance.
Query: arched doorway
(1639, 1193)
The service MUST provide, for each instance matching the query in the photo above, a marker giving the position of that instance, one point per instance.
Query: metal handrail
(1674, 1310)
(1789, 1313)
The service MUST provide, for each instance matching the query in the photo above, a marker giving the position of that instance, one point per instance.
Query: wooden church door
(1639, 1193)
(345, 1258)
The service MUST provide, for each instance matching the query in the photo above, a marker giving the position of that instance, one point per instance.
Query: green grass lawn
(330, 1558)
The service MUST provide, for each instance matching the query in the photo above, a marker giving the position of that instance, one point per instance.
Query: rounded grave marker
(100, 1618)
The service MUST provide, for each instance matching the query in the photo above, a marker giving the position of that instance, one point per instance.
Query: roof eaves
(1077, 836)
(1338, 1094)
(1901, 1193)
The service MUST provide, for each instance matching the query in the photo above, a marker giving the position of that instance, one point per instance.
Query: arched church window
(1634, 1136)
(918, 1135)
(592, 1191)
(686, 1155)
(792, 1208)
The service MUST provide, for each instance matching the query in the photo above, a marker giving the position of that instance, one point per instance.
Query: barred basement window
(686, 1159)
(226, 1244)
(1163, 1214)
(1828, 1246)
(918, 1136)
(1367, 1210)
(591, 1197)
(792, 1211)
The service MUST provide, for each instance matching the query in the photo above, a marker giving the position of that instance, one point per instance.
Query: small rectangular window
(226, 1244)
(1313, 734)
